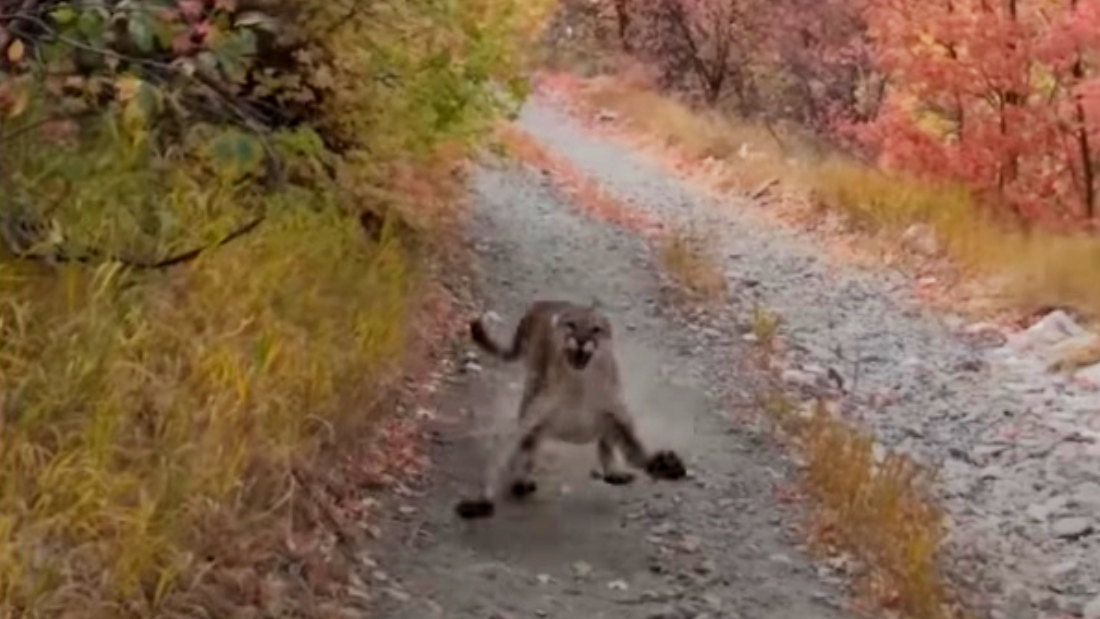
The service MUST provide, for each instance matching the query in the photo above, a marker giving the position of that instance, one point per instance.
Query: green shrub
(143, 409)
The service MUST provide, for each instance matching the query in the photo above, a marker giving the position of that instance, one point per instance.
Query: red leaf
(191, 9)
(182, 44)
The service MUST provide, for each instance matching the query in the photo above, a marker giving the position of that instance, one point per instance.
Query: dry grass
(765, 326)
(878, 508)
(136, 409)
(728, 155)
(751, 153)
(688, 257)
(1040, 268)
(1074, 354)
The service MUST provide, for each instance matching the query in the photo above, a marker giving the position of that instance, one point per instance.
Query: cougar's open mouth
(578, 358)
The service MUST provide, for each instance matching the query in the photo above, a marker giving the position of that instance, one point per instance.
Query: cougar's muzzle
(579, 352)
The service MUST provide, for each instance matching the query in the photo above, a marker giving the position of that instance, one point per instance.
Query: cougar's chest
(580, 412)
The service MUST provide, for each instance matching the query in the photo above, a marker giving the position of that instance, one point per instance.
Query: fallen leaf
(16, 51)
(13, 99)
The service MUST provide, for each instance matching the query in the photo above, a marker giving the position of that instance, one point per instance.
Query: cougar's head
(583, 332)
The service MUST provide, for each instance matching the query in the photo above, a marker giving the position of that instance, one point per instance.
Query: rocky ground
(1019, 446)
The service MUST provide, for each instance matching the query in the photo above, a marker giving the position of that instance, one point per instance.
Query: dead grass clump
(873, 199)
(881, 509)
(689, 258)
(1053, 270)
(1074, 355)
(875, 506)
(765, 326)
(1041, 268)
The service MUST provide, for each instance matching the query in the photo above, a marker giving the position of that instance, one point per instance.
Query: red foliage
(1003, 96)
(1005, 83)
(822, 45)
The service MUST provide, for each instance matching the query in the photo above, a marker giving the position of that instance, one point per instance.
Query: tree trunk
(622, 15)
(1084, 148)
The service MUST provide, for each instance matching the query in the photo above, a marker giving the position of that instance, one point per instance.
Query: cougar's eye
(569, 324)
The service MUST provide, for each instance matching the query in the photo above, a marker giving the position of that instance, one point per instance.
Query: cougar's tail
(482, 338)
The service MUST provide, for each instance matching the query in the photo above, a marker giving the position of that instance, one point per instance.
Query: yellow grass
(687, 256)
(1039, 268)
(881, 511)
(696, 135)
(765, 325)
(135, 408)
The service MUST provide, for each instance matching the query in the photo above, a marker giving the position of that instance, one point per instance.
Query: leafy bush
(201, 279)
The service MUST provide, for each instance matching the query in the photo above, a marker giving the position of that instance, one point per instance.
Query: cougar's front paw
(470, 509)
(666, 465)
(522, 488)
(618, 478)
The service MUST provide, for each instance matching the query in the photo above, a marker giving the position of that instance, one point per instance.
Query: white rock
(798, 378)
(1092, 609)
(1090, 374)
(1071, 528)
(1053, 328)
(920, 239)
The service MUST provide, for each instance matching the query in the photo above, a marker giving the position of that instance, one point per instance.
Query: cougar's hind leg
(610, 472)
(521, 476)
(519, 451)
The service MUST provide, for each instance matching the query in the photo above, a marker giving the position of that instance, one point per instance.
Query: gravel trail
(714, 545)
(1018, 446)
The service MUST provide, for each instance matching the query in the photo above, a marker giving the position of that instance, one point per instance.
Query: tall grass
(879, 508)
(1041, 268)
(883, 510)
(134, 407)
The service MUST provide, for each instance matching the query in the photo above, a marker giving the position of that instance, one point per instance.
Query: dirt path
(716, 545)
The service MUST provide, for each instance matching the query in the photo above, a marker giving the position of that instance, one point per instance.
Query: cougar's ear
(596, 303)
